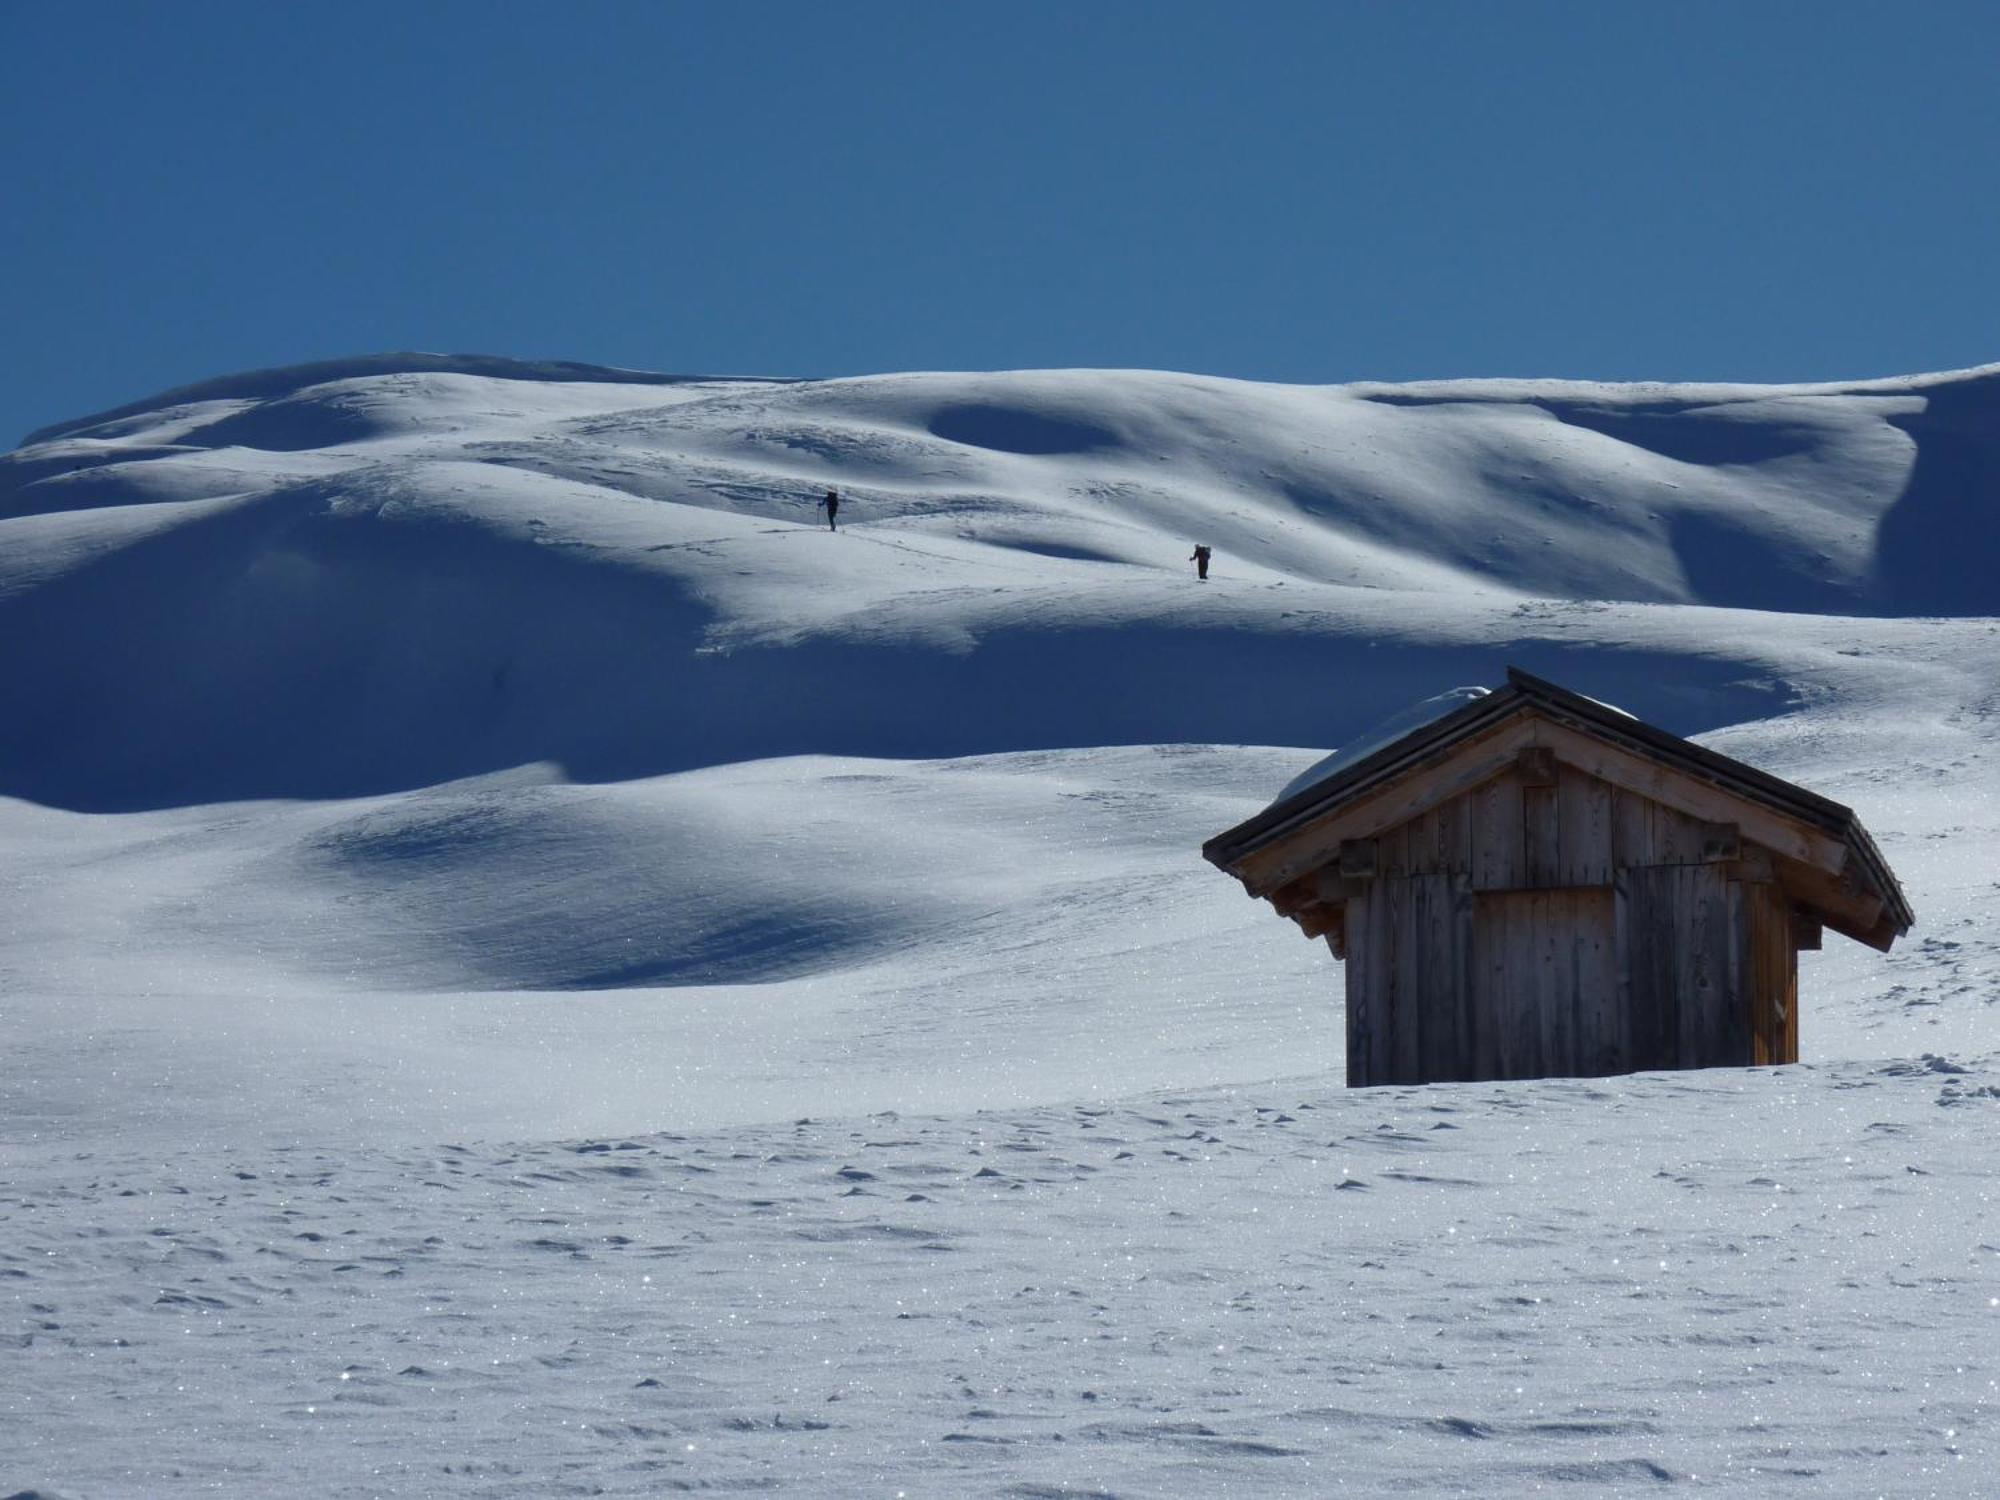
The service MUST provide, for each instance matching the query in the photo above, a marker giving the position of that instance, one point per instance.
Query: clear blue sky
(1309, 191)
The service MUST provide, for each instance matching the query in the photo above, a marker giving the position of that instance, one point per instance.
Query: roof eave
(1228, 850)
(1229, 847)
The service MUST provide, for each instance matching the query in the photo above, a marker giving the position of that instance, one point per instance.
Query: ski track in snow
(856, 1082)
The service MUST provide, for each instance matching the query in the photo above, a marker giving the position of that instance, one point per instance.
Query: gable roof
(1434, 743)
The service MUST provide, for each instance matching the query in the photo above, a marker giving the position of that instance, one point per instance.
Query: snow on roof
(1386, 732)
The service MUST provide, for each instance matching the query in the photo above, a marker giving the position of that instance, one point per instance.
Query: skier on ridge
(831, 505)
(1199, 557)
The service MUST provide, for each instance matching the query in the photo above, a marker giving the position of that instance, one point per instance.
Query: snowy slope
(423, 749)
(383, 581)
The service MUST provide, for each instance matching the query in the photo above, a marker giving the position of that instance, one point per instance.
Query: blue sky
(1314, 191)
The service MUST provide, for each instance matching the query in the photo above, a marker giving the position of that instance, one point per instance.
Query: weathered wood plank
(1677, 838)
(1508, 1000)
(1632, 831)
(1489, 986)
(1654, 918)
(1524, 975)
(1768, 923)
(1541, 989)
(1583, 829)
(1387, 972)
(1468, 1023)
(1706, 992)
(1735, 1002)
(1495, 1004)
(1381, 986)
(1625, 954)
(1553, 941)
(1360, 1001)
(1778, 975)
(1406, 1048)
(1541, 842)
(1388, 983)
(1428, 851)
(1649, 960)
(1790, 1053)
(1600, 1043)
(1445, 1039)
(1691, 928)
(1419, 852)
(1454, 820)
(1392, 851)
(1498, 856)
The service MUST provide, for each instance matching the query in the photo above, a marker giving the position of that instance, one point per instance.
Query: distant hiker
(1200, 560)
(831, 505)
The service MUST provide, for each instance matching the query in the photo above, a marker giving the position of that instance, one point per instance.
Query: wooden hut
(1538, 885)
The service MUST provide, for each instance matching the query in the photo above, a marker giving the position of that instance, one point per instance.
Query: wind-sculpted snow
(286, 585)
(1741, 1283)
(429, 749)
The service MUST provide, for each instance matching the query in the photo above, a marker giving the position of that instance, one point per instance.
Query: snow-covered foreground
(424, 783)
(1751, 1283)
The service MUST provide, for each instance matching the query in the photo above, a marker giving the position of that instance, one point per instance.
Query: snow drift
(366, 576)
(422, 749)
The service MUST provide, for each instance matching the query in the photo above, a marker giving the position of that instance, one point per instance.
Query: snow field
(471, 841)
(1755, 1283)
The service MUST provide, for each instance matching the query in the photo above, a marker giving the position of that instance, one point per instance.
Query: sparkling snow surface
(530, 967)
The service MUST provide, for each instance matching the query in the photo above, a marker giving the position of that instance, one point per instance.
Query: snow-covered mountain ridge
(360, 576)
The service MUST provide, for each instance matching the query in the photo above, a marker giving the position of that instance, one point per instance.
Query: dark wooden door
(1544, 984)
(1682, 961)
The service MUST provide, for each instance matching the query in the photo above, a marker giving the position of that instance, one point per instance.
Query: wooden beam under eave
(1317, 921)
(1880, 935)
(1838, 901)
(1294, 897)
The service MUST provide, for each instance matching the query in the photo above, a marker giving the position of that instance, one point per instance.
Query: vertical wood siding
(1684, 952)
(1538, 926)
(1542, 983)
(1773, 975)
(1509, 835)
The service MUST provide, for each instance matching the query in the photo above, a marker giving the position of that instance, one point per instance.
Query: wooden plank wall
(1509, 834)
(1773, 976)
(1547, 923)
(1445, 983)
(1409, 995)
(1544, 981)
(1684, 966)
